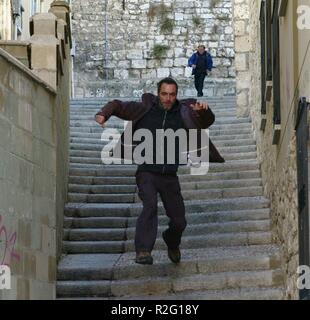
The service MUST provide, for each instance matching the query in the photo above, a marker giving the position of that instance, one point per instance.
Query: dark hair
(201, 46)
(167, 81)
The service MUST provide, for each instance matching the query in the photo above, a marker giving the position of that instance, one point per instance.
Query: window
(34, 7)
(268, 52)
(282, 8)
(263, 63)
(276, 72)
(268, 39)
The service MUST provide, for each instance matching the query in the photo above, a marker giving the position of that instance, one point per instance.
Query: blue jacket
(208, 61)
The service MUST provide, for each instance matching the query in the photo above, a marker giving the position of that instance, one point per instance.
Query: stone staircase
(227, 248)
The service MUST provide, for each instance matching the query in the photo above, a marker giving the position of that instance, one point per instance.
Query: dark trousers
(199, 80)
(168, 186)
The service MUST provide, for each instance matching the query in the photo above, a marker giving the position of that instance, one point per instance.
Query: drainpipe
(72, 69)
(106, 39)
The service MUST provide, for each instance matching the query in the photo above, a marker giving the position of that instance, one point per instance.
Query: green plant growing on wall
(166, 25)
(213, 3)
(197, 22)
(159, 50)
(215, 29)
(157, 10)
(161, 11)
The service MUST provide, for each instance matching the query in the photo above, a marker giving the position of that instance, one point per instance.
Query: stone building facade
(15, 15)
(276, 136)
(244, 45)
(139, 41)
(34, 147)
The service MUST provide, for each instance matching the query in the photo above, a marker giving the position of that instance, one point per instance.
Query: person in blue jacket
(201, 62)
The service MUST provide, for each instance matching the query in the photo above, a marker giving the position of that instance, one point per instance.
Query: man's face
(201, 50)
(167, 95)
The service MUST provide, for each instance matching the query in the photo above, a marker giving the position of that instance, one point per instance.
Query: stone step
(93, 104)
(187, 195)
(102, 180)
(255, 174)
(211, 176)
(77, 114)
(101, 100)
(188, 242)
(166, 285)
(219, 118)
(221, 143)
(236, 123)
(194, 261)
(101, 198)
(122, 234)
(129, 170)
(191, 217)
(102, 189)
(258, 293)
(214, 105)
(218, 122)
(107, 189)
(80, 156)
(98, 136)
(228, 149)
(214, 131)
(133, 210)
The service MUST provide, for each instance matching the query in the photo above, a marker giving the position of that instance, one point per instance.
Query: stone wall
(125, 51)
(27, 182)
(277, 162)
(5, 20)
(34, 144)
(244, 45)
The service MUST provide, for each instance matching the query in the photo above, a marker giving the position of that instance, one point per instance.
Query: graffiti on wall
(7, 244)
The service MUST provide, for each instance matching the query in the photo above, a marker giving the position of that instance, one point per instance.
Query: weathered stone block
(5, 133)
(239, 28)
(42, 291)
(44, 184)
(24, 233)
(163, 72)
(25, 115)
(42, 264)
(135, 55)
(138, 64)
(44, 24)
(177, 72)
(179, 16)
(242, 44)
(180, 62)
(23, 289)
(121, 74)
(48, 240)
(21, 143)
(29, 260)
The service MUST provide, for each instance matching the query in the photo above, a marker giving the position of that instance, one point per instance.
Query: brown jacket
(134, 111)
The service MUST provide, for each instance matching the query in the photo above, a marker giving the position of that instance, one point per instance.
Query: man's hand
(200, 106)
(193, 66)
(100, 120)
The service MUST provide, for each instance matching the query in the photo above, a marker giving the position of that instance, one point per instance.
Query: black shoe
(144, 258)
(173, 254)
(200, 95)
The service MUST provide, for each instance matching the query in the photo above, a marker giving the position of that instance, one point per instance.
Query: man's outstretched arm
(204, 114)
(126, 110)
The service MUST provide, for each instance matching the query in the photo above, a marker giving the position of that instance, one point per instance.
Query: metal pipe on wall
(106, 39)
